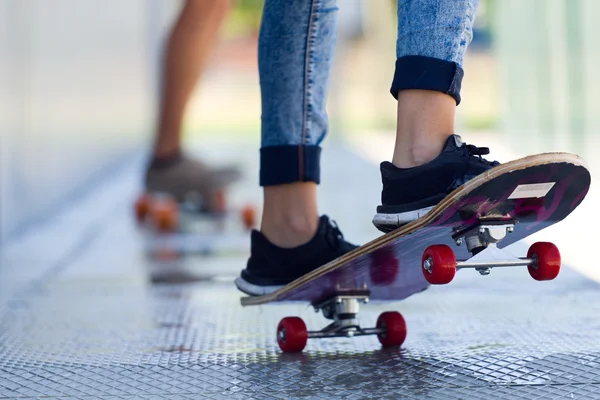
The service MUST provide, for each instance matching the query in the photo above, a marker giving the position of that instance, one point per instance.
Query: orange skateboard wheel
(249, 217)
(164, 215)
(142, 206)
(219, 202)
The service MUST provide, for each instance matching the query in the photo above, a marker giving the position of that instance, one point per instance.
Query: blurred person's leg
(187, 50)
(295, 53)
(429, 159)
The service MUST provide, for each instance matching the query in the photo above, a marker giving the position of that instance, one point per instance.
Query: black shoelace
(475, 153)
(479, 152)
(333, 235)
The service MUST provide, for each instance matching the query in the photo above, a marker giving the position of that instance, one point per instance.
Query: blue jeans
(295, 53)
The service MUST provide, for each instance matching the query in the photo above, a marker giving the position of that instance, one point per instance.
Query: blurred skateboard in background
(173, 229)
(466, 230)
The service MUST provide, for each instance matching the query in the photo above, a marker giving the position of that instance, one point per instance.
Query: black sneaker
(271, 267)
(410, 193)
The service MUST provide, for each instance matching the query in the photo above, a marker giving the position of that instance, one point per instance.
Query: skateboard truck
(481, 236)
(343, 309)
(439, 263)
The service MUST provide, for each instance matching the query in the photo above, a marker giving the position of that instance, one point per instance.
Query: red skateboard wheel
(394, 327)
(292, 335)
(546, 265)
(438, 264)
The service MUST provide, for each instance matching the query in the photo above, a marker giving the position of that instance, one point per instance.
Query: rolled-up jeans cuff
(290, 163)
(427, 73)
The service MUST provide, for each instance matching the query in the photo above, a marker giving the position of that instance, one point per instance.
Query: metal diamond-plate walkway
(85, 314)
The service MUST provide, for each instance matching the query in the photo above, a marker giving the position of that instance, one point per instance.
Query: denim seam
(307, 74)
(310, 38)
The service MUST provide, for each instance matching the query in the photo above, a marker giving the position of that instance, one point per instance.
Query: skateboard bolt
(281, 335)
(534, 261)
(484, 270)
(427, 264)
(510, 229)
(458, 241)
(481, 230)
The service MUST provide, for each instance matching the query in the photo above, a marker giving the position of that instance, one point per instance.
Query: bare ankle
(290, 231)
(290, 216)
(425, 121)
(416, 155)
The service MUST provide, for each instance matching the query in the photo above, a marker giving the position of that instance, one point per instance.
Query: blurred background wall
(547, 53)
(77, 91)
(78, 85)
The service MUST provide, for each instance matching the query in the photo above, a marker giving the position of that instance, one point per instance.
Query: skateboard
(173, 229)
(466, 230)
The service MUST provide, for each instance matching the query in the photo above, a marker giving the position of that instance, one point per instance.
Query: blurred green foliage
(245, 16)
(244, 19)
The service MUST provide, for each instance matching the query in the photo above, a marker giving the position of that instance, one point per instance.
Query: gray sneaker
(191, 181)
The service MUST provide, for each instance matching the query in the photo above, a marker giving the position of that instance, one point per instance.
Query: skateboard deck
(467, 229)
(173, 229)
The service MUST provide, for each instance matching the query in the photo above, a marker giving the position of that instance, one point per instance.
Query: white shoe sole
(399, 219)
(254, 290)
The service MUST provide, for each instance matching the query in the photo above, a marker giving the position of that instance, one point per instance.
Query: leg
(189, 44)
(296, 48)
(433, 36)
(429, 160)
(425, 119)
(192, 38)
(295, 52)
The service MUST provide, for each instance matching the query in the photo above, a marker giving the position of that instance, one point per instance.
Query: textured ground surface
(85, 313)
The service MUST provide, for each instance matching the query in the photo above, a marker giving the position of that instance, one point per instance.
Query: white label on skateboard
(534, 190)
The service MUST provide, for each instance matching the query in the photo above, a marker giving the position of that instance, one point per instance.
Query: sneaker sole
(388, 222)
(254, 290)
